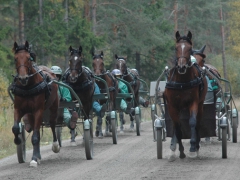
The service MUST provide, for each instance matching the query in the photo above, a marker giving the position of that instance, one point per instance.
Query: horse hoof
(34, 163)
(172, 158)
(100, 135)
(73, 143)
(192, 154)
(55, 147)
(121, 132)
(182, 156)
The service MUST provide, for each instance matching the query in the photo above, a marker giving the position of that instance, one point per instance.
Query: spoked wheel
(138, 123)
(21, 148)
(159, 143)
(59, 135)
(88, 141)
(234, 129)
(153, 119)
(224, 142)
(114, 126)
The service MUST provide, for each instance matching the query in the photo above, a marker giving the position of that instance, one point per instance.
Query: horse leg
(199, 117)
(173, 147)
(179, 139)
(193, 140)
(122, 121)
(131, 122)
(36, 148)
(16, 128)
(99, 124)
(107, 125)
(52, 122)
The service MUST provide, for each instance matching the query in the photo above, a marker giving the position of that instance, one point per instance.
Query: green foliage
(232, 66)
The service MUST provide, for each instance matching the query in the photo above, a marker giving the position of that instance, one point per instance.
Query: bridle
(188, 59)
(103, 71)
(79, 71)
(120, 62)
(29, 67)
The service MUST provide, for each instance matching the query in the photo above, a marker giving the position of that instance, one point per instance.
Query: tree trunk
(66, 21)
(40, 12)
(94, 21)
(223, 49)
(21, 21)
(138, 62)
(41, 55)
(87, 10)
(175, 16)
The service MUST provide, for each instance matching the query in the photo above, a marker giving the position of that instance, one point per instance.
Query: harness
(36, 89)
(134, 77)
(112, 88)
(198, 81)
(83, 86)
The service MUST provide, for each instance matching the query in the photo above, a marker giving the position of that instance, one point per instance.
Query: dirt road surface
(134, 157)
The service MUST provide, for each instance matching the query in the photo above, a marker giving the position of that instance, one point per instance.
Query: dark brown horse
(80, 79)
(32, 95)
(100, 71)
(129, 75)
(186, 88)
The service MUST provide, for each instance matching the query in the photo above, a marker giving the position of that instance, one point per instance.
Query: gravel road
(134, 157)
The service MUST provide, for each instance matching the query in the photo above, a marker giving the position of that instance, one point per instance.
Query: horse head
(199, 55)
(23, 62)
(121, 64)
(98, 64)
(75, 64)
(183, 52)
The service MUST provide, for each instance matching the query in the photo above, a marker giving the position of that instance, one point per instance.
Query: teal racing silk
(64, 93)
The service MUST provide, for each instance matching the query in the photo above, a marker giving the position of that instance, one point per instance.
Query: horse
(131, 76)
(33, 95)
(100, 71)
(186, 88)
(80, 79)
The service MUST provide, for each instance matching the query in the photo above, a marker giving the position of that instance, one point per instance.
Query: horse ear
(27, 45)
(92, 53)
(102, 54)
(15, 46)
(202, 49)
(70, 49)
(125, 58)
(189, 35)
(177, 35)
(116, 56)
(80, 50)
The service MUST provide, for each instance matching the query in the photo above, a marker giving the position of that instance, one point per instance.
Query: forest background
(142, 30)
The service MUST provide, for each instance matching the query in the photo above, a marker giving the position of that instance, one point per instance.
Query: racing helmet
(193, 59)
(116, 72)
(56, 70)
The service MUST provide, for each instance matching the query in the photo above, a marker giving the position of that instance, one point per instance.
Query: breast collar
(198, 81)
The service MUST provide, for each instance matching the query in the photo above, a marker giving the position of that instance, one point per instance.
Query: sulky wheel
(159, 143)
(88, 141)
(234, 129)
(138, 120)
(21, 148)
(224, 142)
(153, 112)
(114, 126)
